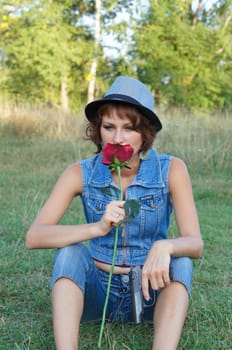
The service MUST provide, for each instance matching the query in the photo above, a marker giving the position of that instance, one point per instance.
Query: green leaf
(115, 190)
(110, 191)
(131, 207)
(106, 191)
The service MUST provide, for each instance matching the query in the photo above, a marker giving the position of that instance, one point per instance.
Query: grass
(31, 163)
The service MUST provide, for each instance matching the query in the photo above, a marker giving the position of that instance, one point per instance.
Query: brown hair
(139, 122)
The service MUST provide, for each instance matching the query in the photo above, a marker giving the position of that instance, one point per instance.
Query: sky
(112, 48)
(206, 3)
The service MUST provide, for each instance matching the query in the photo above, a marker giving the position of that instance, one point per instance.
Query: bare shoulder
(71, 178)
(178, 164)
(73, 169)
(178, 175)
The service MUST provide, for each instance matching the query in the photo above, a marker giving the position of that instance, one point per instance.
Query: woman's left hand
(155, 271)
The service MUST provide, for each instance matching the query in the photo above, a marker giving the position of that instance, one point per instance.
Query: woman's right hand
(112, 216)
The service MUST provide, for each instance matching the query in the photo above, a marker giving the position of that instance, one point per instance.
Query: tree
(43, 46)
(97, 38)
(113, 28)
(183, 53)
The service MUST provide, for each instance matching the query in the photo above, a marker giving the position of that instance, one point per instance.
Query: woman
(159, 183)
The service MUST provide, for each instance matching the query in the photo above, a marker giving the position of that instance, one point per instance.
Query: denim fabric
(75, 262)
(149, 188)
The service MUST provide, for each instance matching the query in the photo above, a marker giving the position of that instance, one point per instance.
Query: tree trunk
(64, 96)
(196, 13)
(97, 36)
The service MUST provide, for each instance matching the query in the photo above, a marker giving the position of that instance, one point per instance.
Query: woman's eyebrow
(109, 121)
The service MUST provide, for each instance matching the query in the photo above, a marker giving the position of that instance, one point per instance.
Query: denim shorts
(75, 262)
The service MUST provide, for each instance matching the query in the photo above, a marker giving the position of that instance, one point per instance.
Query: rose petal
(122, 152)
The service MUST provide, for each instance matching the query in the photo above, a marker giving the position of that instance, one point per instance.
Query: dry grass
(197, 139)
(38, 121)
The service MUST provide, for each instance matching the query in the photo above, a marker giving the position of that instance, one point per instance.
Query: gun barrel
(135, 276)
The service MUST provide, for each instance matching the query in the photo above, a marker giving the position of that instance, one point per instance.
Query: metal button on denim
(125, 278)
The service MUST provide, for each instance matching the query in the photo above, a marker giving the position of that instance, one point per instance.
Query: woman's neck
(131, 169)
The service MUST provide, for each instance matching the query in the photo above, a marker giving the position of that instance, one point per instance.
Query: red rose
(116, 157)
(113, 153)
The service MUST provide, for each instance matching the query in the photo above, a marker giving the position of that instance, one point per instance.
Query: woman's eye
(107, 127)
(111, 127)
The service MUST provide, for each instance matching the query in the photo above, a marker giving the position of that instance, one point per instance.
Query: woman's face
(119, 130)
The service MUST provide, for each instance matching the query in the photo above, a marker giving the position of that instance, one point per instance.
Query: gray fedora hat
(130, 91)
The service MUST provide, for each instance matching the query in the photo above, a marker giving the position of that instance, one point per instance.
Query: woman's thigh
(75, 262)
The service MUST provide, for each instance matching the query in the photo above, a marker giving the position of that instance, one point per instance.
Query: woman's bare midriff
(118, 270)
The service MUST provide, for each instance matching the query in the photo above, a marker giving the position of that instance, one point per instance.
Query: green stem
(111, 269)
(120, 182)
(108, 291)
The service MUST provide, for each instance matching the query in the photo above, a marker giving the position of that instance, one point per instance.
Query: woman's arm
(189, 243)
(46, 232)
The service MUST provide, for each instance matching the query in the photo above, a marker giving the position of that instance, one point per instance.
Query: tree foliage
(185, 55)
(181, 49)
(44, 49)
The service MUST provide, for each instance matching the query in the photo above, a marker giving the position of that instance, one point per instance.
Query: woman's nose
(118, 136)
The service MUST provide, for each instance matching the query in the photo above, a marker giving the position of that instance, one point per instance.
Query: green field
(30, 163)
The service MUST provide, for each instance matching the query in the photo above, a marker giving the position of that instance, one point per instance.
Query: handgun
(135, 277)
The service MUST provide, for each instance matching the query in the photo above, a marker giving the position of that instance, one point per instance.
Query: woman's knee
(181, 270)
(72, 262)
(72, 254)
(183, 264)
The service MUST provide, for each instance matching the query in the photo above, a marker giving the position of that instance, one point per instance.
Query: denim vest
(149, 187)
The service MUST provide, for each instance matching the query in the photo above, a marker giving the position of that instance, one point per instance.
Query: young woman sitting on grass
(160, 184)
